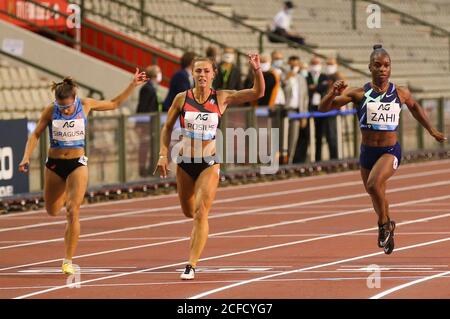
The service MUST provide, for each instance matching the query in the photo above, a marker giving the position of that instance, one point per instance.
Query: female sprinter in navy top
(66, 173)
(197, 174)
(378, 108)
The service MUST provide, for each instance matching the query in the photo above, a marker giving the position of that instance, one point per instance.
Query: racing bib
(383, 116)
(68, 130)
(201, 125)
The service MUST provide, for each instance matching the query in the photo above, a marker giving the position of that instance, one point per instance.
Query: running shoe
(67, 269)
(189, 273)
(389, 245)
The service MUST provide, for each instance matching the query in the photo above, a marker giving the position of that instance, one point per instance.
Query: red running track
(312, 237)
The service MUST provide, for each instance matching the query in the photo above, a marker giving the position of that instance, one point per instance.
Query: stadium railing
(114, 142)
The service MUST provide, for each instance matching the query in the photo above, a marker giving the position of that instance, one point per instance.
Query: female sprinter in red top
(197, 173)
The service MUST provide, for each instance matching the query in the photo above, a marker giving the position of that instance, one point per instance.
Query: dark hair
(211, 52)
(294, 58)
(65, 89)
(289, 4)
(378, 49)
(204, 59)
(187, 59)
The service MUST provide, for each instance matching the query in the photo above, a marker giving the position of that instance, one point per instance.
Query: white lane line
(219, 191)
(260, 249)
(245, 282)
(411, 166)
(409, 284)
(244, 212)
(235, 231)
(226, 200)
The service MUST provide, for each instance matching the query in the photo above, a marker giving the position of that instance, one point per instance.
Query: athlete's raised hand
(438, 136)
(339, 87)
(253, 59)
(139, 78)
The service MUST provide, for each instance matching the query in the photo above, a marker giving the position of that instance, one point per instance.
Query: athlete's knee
(373, 186)
(201, 215)
(52, 210)
(72, 210)
(188, 213)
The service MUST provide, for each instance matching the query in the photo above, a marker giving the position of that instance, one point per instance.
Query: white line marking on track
(262, 249)
(244, 212)
(409, 284)
(233, 199)
(241, 230)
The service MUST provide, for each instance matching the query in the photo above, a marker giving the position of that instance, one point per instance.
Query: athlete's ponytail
(65, 89)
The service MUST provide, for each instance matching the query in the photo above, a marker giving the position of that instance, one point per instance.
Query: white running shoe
(189, 273)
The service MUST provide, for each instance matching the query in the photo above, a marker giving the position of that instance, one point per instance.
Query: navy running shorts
(370, 154)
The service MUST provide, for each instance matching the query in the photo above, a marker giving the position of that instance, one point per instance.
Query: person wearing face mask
(332, 72)
(297, 98)
(318, 87)
(281, 25)
(229, 76)
(148, 102)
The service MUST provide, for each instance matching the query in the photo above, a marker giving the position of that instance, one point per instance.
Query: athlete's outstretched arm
(248, 95)
(106, 105)
(46, 117)
(338, 96)
(419, 114)
(166, 132)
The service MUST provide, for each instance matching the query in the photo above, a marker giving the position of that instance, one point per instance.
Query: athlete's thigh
(54, 189)
(383, 169)
(77, 183)
(185, 189)
(206, 187)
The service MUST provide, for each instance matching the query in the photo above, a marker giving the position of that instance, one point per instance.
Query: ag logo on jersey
(202, 116)
(69, 124)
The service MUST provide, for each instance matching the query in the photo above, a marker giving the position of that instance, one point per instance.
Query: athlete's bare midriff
(197, 148)
(378, 138)
(65, 153)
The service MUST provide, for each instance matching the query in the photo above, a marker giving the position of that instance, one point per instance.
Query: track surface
(311, 237)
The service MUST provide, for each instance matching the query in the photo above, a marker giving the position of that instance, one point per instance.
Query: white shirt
(282, 20)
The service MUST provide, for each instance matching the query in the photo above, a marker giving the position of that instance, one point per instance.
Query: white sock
(67, 261)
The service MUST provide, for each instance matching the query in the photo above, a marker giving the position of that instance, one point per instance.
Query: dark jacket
(179, 83)
(322, 87)
(232, 83)
(148, 100)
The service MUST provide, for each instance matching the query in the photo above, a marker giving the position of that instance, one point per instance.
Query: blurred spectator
(212, 53)
(181, 81)
(272, 82)
(281, 25)
(304, 69)
(229, 75)
(318, 87)
(332, 72)
(279, 68)
(148, 102)
(296, 100)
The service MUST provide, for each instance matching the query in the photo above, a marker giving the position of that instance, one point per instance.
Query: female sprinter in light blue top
(66, 172)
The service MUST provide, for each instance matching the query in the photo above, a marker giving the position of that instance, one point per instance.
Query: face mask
(331, 69)
(228, 57)
(265, 66)
(278, 63)
(304, 72)
(316, 68)
(159, 77)
(289, 11)
(295, 69)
